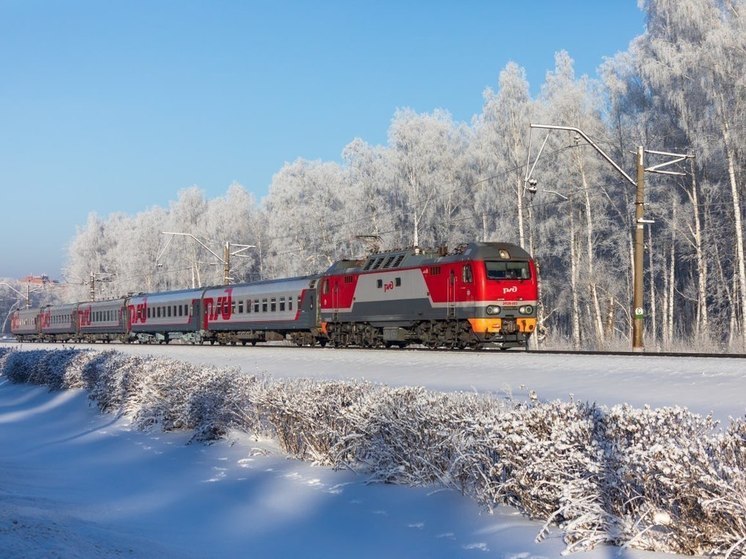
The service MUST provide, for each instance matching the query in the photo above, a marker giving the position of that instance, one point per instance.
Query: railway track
(643, 353)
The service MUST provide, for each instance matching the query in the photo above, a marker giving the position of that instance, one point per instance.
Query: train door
(330, 296)
(451, 295)
(466, 288)
(335, 299)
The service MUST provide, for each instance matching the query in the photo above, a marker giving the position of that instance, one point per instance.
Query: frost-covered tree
(426, 148)
(90, 266)
(375, 208)
(693, 55)
(306, 218)
(500, 147)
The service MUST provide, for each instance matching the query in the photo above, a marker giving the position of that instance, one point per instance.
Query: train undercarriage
(433, 334)
(454, 334)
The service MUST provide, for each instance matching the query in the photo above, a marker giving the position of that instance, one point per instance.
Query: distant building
(37, 280)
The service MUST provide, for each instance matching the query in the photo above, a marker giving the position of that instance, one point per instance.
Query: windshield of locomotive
(507, 270)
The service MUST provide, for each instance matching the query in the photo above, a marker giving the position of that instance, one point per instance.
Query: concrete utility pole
(637, 302)
(638, 308)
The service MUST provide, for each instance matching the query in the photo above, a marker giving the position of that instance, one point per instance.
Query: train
(480, 294)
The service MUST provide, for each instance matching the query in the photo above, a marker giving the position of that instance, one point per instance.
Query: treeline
(680, 87)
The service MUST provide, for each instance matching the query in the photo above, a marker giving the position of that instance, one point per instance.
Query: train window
(240, 307)
(233, 307)
(507, 270)
(398, 260)
(169, 311)
(466, 274)
(282, 304)
(378, 263)
(256, 306)
(273, 304)
(264, 305)
(398, 282)
(389, 260)
(379, 284)
(369, 263)
(290, 303)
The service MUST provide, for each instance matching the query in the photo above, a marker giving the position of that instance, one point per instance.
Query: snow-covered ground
(74, 483)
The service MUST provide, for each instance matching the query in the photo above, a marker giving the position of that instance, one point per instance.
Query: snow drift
(658, 479)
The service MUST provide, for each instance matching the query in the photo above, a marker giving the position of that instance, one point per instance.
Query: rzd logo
(139, 312)
(84, 317)
(220, 308)
(513, 289)
(388, 286)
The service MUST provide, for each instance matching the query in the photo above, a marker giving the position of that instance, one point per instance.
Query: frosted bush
(657, 479)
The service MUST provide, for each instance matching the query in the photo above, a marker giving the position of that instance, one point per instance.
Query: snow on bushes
(658, 479)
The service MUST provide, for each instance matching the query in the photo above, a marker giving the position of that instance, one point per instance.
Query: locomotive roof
(413, 257)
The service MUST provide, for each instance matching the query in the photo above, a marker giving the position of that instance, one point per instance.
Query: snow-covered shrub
(674, 482)
(405, 435)
(658, 479)
(308, 417)
(55, 369)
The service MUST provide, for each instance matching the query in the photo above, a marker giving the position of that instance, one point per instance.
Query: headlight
(493, 309)
(526, 309)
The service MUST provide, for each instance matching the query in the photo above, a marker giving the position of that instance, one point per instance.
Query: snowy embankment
(659, 479)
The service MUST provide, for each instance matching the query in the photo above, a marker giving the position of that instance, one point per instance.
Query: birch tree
(693, 55)
(423, 154)
(502, 141)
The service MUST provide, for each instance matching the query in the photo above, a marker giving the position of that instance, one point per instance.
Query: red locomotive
(482, 293)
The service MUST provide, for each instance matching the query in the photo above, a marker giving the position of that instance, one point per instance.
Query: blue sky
(116, 106)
